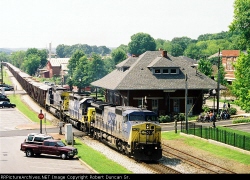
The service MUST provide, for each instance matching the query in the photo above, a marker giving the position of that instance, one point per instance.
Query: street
(12, 160)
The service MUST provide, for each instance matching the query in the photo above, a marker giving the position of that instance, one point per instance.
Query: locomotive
(133, 131)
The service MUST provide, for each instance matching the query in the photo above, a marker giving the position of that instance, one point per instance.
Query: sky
(110, 23)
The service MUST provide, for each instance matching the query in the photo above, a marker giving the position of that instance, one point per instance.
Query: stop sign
(40, 116)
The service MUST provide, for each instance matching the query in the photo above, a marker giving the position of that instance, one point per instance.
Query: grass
(219, 151)
(98, 161)
(26, 110)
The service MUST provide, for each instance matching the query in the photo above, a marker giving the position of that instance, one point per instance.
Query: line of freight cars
(133, 131)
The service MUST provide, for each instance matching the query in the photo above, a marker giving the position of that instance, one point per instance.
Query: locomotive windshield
(136, 118)
(151, 118)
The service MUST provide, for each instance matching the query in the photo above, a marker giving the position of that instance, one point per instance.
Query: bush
(179, 117)
(205, 108)
(232, 111)
(164, 119)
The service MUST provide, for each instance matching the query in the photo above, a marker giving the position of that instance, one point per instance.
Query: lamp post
(214, 94)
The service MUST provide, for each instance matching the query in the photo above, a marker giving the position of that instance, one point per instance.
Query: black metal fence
(216, 134)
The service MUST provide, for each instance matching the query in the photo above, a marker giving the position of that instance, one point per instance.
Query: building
(228, 58)
(55, 66)
(159, 81)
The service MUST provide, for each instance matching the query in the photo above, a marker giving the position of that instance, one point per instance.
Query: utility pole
(186, 119)
(2, 72)
(218, 84)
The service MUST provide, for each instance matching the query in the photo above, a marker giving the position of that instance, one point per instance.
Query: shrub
(232, 111)
(164, 119)
(205, 108)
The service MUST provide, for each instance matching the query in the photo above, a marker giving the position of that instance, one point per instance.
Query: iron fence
(223, 136)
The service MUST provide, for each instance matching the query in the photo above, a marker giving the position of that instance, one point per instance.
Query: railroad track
(201, 164)
(159, 168)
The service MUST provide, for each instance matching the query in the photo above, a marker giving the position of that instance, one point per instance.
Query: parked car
(4, 98)
(7, 88)
(6, 104)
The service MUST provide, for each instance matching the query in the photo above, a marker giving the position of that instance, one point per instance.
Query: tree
(4, 57)
(96, 68)
(241, 21)
(160, 43)
(179, 45)
(123, 47)
(17, 58)
(73, 62)
(118, 55)
(192, 51)
(31, 64)
(61, 50)
(109, 64)
(205, 67)
(222, 81)
(42, 54)
(241, 85)
(80, 72)
(140, 43)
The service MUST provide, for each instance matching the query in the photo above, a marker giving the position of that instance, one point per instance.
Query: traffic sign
(40, 116)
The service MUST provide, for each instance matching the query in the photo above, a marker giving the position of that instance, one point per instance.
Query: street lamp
(214, 94)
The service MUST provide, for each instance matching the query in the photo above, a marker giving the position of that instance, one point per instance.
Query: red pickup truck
(51, 147)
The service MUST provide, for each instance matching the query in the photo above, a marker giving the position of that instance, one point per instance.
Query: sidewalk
(240, 112)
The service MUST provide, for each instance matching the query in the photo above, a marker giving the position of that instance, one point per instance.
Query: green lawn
(217, 150)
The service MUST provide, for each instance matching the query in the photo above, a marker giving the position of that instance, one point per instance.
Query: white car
(37, 138)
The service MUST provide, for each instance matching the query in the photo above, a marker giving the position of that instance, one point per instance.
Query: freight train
(133, 131)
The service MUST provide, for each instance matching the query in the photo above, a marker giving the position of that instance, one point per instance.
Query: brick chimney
(164, 53)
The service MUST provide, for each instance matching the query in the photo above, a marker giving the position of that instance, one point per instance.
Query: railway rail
(159, 168)
(204, 166)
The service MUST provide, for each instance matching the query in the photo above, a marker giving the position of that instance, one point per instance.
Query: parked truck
(51, 147)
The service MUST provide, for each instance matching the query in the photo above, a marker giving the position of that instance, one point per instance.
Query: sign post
(40, 116)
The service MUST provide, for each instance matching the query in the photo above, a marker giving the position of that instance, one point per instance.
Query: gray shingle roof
(140, 77)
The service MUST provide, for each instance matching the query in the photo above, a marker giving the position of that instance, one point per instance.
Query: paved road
(14, 127)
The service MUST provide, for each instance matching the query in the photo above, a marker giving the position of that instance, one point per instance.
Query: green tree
(179, 45)
(241, 84)
(80, 74)
(31, 64)
(222, 73)
(96, 68)
(123, 47)
(73, 62)
(192, 51)
(140, 43)
(118, 55)
(109, 64)
(4, 57)
(241, 21)
(17, 58)
(42, 54)
(205, 67)
(160, 43)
